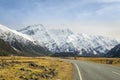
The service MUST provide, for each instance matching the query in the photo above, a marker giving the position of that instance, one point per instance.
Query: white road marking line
(115, 72)
(78, 71)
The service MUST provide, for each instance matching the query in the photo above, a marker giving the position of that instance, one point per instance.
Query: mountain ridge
(21, 42)
(64, 40)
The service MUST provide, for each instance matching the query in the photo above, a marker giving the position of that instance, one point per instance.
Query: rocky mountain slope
(21, 42)
(41, 35)
(114, 52)
(6, 49)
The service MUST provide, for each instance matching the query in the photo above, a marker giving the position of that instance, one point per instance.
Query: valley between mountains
(37, 40)
(68, 53)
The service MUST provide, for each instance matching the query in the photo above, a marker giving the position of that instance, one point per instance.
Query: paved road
(92, 71)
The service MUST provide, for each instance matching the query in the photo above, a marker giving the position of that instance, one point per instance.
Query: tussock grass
(111, 61)
(17, 68)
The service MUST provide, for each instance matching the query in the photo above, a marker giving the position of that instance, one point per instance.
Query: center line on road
(78, 71)
(115, 72)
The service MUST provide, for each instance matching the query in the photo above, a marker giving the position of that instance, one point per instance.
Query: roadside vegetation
(111, 61)
(34, 68)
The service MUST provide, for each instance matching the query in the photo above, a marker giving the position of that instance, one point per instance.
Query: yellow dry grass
(111, 61)
(63, 69)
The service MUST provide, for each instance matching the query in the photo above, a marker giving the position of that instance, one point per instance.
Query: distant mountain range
(36, 40)
(65, 41)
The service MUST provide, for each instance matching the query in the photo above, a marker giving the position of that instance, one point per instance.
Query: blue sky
(85, 16)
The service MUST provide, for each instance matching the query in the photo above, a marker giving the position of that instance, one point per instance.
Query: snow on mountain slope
(8, 35)
(40, 34)
(85, 44)
(21, 41)
(64, 40)
(92, 44)
(61, 36)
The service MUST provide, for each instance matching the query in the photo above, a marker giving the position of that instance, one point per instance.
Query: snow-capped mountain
(52, 39)
(84, 44)
(20, 41)
(64, 40)
(40, 34)
(9, 35)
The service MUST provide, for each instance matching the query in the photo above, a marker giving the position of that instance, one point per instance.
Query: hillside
(114, 52)
(6, 49)
(22, 43)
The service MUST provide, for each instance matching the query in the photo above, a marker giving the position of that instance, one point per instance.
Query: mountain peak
(32, 29)
(6, 30)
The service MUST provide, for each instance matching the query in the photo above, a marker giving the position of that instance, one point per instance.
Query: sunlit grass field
(111, 61)
(34, 68)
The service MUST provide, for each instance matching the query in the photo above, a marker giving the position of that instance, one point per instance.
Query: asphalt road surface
(84, 70)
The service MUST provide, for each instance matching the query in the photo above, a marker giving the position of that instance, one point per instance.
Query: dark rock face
(30, 48)
(6, 49)
(114, 52)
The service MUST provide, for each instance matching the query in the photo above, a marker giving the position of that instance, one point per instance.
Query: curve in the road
(84, 70)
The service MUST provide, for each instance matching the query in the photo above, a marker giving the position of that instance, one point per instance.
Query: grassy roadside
(35, 68)
(111, 61)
